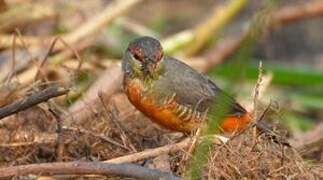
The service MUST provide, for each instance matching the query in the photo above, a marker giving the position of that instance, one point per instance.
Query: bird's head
(143, 58)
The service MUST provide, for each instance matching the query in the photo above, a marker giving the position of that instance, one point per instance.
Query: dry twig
(160, 150)
(108, 83)
(224, 49)
(31, 41)
(39, 139)
(298, 12)
(81, 168)
(50, 51)
(25, 14)
(148, 153)
(60, 138)
(186, 157)
(213, 25)
(100, 136)
(310, 141)
(257, 90)
(13, 59)
(94, 25)
(32, 100)
(114, 117)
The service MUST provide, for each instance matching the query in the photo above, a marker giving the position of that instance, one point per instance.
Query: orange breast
(150, 106)
(164, 115)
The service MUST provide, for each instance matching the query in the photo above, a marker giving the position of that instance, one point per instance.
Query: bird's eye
(136, 56)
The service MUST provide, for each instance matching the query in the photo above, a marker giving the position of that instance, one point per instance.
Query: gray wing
(194, 89)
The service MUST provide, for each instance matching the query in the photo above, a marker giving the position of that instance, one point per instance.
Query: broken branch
(32, 100)
(160, 150)
(125, 170)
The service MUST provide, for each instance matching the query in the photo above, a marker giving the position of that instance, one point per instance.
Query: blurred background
(224, 39)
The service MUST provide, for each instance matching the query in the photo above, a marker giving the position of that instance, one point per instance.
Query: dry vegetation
(61, 98)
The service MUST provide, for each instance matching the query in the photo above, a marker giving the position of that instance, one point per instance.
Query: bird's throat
(148, 79)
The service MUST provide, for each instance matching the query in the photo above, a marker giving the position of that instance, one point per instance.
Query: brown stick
(60, 139)
(298, 12)
(309, 141)
(31, 41)
(151, 152)
(95, 24)
(39, 139)
(23, 14)
(51, 138)
(13, 59)
(80, 168)
(279, 18)
(32, 100)
(222, 51)
(160, 150)
(282, 16)
(89, 28)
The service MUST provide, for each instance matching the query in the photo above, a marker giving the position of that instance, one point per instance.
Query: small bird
(172, 93)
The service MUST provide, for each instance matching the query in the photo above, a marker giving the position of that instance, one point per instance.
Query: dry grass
(244, 158)
(29, 137)
(112, 127)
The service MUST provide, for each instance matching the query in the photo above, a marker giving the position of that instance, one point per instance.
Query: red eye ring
(136, 52)
(160, 55)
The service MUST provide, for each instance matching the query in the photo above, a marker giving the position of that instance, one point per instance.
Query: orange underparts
(234, 123)
(165, 116)
(162, 115)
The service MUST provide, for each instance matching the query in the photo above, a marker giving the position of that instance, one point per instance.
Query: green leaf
(282, 74)
(297, 122)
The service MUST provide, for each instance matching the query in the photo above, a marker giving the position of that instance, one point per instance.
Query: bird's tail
(233, 123)
(268, 130)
